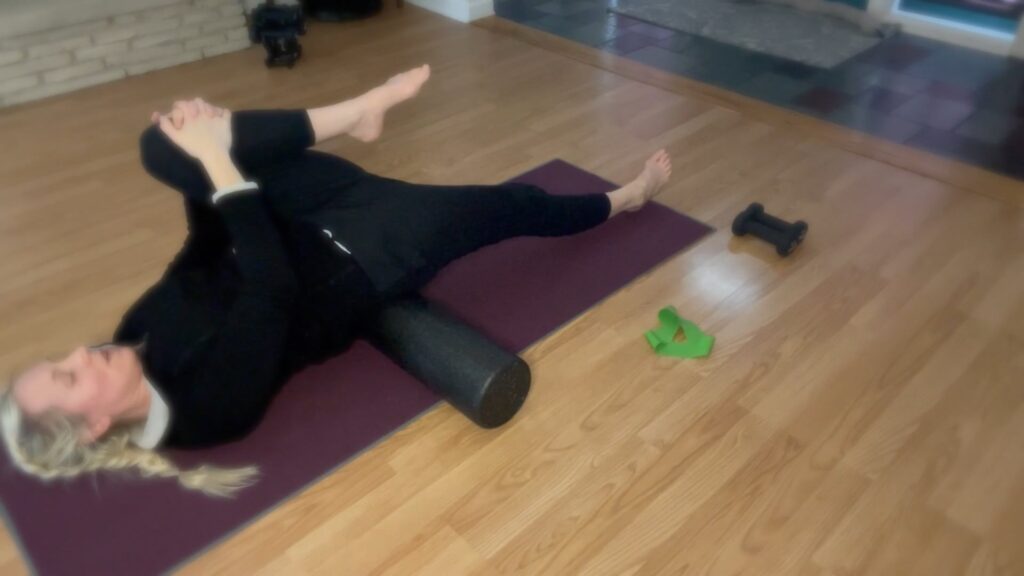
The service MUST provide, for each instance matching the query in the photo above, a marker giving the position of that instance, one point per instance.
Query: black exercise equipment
(785, 236)
(485, 382)
(340, 10)
(278, 29)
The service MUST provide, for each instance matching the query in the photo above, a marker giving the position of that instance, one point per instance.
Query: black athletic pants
(446, 222)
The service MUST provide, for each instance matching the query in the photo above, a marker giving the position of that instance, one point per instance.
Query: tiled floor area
(949, 100)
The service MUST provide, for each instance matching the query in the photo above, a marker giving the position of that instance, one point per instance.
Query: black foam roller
(484, 381)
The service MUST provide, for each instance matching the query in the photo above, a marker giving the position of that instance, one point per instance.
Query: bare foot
(408, 84)
(655, 175)
(397, 89)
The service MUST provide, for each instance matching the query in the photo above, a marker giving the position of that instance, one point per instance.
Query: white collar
(148, 434)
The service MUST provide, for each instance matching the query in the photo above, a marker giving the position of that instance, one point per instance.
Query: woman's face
(87, 383)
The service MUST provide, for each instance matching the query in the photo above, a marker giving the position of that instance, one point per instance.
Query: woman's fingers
(210, 110)
(168, 128)
(184, 110)
(178, 117)
(187, 108)
(213, 111)
(202, 107)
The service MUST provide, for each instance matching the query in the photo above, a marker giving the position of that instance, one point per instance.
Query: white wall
(461, 10)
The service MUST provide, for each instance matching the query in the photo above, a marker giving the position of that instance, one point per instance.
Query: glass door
(998, 16)
(990, 25)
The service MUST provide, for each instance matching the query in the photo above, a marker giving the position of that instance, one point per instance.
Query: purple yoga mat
(516, 292)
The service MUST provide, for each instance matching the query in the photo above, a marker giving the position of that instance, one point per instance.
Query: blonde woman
(290, 252)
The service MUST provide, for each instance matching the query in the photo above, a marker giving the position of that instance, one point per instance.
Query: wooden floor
(862, 412)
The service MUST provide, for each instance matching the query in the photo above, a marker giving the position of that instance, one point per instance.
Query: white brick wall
(11, 56)
(100, 51)
(33, 66)
(229, 46)
(224, 23)
(35, 38)
(50, 48)
(130, 42)
(46, 90)
(164, 62)
(205, 41)
(17, 85)
(75, 71)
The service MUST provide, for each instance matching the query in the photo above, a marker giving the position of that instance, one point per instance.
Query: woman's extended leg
(518, 210)
(428, 227)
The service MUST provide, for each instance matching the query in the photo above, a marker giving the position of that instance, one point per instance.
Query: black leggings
(446, 222)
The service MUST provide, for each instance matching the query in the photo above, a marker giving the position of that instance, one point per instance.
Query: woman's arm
(221, 170)
(207, 238)
(243, 366)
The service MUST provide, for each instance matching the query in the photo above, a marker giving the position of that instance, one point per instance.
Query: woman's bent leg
(268, 136)
(259, 137)
(265, 136)
(362, 117)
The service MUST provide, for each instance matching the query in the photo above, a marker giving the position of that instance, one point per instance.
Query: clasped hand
(197, 127)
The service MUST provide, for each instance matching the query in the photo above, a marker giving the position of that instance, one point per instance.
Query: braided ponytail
(49, 448)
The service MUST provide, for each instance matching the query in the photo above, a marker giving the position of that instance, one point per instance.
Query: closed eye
(68, 378)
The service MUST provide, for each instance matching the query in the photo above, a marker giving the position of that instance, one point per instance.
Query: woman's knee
(167, 163)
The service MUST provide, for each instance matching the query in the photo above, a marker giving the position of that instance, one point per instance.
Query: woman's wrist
(221, 168)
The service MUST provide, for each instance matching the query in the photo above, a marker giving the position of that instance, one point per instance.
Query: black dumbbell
(784, 235)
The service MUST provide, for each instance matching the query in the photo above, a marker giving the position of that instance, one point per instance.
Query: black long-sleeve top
(257, 292)
(217, 333)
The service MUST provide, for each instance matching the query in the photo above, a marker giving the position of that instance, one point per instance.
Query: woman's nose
(81, 355)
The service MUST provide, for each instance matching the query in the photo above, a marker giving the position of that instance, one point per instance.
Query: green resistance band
(694, 344)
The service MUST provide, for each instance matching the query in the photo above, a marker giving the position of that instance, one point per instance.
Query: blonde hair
(49, 448)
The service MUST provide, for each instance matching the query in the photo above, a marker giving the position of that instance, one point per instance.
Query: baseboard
(461, 10)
